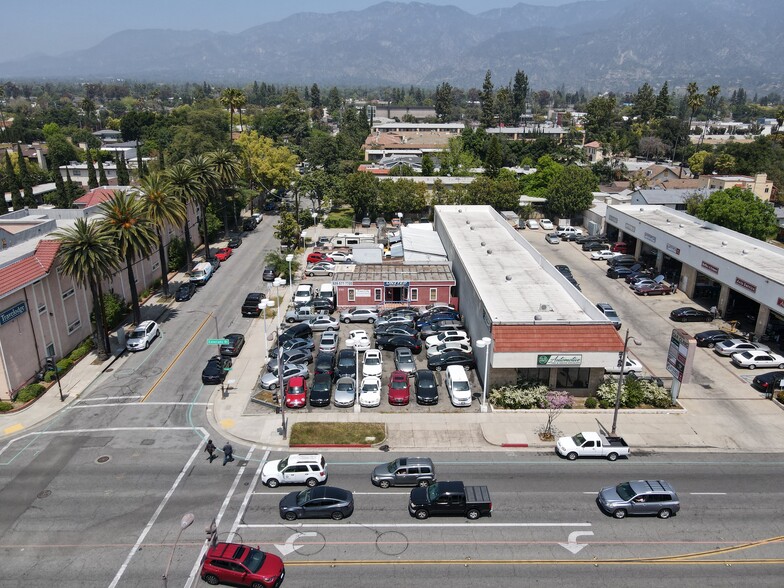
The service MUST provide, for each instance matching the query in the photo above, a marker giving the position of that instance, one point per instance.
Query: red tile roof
(555, 338)
(30, 269)
(93, 197)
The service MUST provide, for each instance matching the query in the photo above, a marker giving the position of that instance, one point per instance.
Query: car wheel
(644, 293)
(312, 482)
(337, 515)
(472, 514)
(257, 585)
(309, 274)
(683, 320)
(347, 320)
(781, 366)
(619, 514)
(272, 483)
(423, 483)
(384, 484)
(612, 456)
(421, 514)
(665, 513)
(329, 274)
(438, 368)
(752, 366)
(371, 320)
(571, 456)
(211, 580)
(290, 516)
(711, 345)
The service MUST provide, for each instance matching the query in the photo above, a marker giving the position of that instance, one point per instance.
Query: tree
(537, 184)
(428, 168)
(101, 172)
(92, 181)
(315, 96)
(334, 101)
(163, 208)
(644, 103)
(486, 102)
(63, 199)
(88, 254)
(494, 158)
(132, 126)
(443, 101)
(13, 183)
(697, 163)
(265, 164)
(519, 95)
(25, 179)
(556, 402)
(741, 211)
(123, 179)
(651, 147)
(725, 163)
(287, 230)
(185, 186)
(694, 101)
(207, 181)
(227, 170)
(600, 117)
(713, 93)
(228, 99)
(570, 191)
(361, 190)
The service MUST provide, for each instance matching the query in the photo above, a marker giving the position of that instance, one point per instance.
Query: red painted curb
(333, 445)
(514, 444)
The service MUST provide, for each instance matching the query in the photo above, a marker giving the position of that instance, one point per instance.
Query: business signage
(396, 284)
(612, 218)
(629, 228)
(680, 355)
(710, 267)
(363, 293)
(559, 360)
(673, 249)
(13, 312)
(341, 283)
(744, 284)
(649, 237)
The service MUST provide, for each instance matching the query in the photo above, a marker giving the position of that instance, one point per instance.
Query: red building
(392, 284)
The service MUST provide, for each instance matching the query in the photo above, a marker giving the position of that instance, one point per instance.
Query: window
(42, 309)
(352, 295)
(68, 293)
(414, 293)
(433, 294)
(377, 294)
(74, 325)
(573, 378)
(50, 350)
(156, 265)
(534, 376)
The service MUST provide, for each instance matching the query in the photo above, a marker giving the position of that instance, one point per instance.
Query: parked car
(318, 256)
(430, 329)
(587, 238)
(437, 307)
(552, 238)
(329, 342)
(323, 305)
(234, 242)
(235, 345)
(404, 360)
(358, 339)
(347, 364)
(372, 365)
(447, 337)
(768, 382)
(341, 257)
(321, 390)
(249, 224)
(366, 222)
(303, 294)
(395, 319)
(639, 279)
(399, 392)
(712, 337)
(546, 224)
(567, 231)
(216, 369)
(590, 444)
(450, 498)
(345, 392)
(656, 289)
(323, 268)
(754, 359)
(407, 311)
(323, 502)
(620, 271)
(451, 357)
(425, 387)
(731, 346)
(142, 336)
(603, 254)
(296, 395)
(250, 307)
(215, 263)
(359, 315)
(641, 497)
(303, 356)
(226, 563)
(323, 322)
(391, 342)
(433, 317)
(390, 330)
(689, 314)
(300, 331)
(305, 343)
(595, 246)
(565, 270)
(269, 381)
(309, 469)
(610, 313)
(185, 291)
(324, 364)
(435, 350)
(404, 471)
(223, 253)
(531, 224)
(632, 366)
(268, 274)
(370, 392)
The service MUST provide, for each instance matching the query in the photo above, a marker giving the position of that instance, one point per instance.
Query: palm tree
(185, 185)
(163, 208)
(207, 181)
(125, 220)
(240, 100)
(88, 254)
(713, 93)
(227, 168)
(228, 99)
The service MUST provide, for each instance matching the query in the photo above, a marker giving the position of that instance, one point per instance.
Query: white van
(327, 291)
(201, 274)
(457, 385)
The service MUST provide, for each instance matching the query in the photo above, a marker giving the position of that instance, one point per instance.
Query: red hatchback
(296, 392)
(241, 565)
(223, 254)
(399, 392)
(317, 256)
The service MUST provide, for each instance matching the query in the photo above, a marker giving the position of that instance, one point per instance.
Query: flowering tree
(556, 402)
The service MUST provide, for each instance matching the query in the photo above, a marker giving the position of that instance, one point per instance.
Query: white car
(340, 257)
(447, 337)
(755, 359)
(569, 231)
(329, 342)
(546, 224)
(532, 224)
(632, 366)
(731, 346)
(604, 254)
(359, 315)
(295, 469)
(358, 340)
(303, 294)
(444, 347)
(142, 336)
(372, 364)
(370, 391)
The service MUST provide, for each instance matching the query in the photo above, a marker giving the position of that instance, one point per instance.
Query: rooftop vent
(508, 278)
(489, 251)
(483, 243)
(537, 317)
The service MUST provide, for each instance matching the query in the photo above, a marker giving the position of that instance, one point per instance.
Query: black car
(437, 316)
(768, 382)
(425, 387)
(185, 291)
(268, 275)
(347, 364)
(321, 502)
(434, 328)
(321, 390)
(564, 270)
(215, 263)
(710, 338)
(390, 330)
(236, 343)
(403, 310)
(594, 246)
(249, 224)
(574, 282)
(298, 331)
(689, 314)
(588, 238)
(620, 271)
(291, 356)
(391, 342)
(322, 304)
(234, 242)
(443, 360)
(324, 364)
(296, 343)
(215, 370)
(250, 307)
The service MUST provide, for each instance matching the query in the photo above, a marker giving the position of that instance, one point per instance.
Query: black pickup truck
(450, 498)
(251, 305)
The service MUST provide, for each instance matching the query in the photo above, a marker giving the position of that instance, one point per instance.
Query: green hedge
(5, 406)
(30, 392)
(633, 394)
(82, 350)
(591, 402)
(517, 397)
(339, 220)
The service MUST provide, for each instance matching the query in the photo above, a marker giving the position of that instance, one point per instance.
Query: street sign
(217, 341)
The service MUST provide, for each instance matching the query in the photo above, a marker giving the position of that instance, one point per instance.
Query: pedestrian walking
(210, 448)
(228, 453)
(714, 312)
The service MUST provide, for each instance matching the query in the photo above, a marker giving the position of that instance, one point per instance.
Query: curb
(514, 444)
(332, 445)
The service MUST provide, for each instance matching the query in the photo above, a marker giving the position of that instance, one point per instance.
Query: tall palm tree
(228, 99)
(207, 180)
(185, 186)
(240, 100)
(125, 220)
(88, 254)
(163, 208)
(227, 168)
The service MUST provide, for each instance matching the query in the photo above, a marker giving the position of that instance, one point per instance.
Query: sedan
(321, 502)
(142, 336)
(453, 357)
(431, 329)
(345, 393)
(447, 337)
(268, 275)
(755, 359)
(632, 367)
(296, 393)
(390, 330)
(656, 289)
(619, 271)
(731, 346)
(216, 369)
(604, 254)
(372, 364)
(546, 224)
(323, 322)
(185, 291)
(291, 356)
(329, 342)
(687, 313)
(324, 364)
(321, 390)
(395, 319)
(639, 280)
(565, 270)
(403, 310)
(595, 246)
(215, 263)
(768, 382)
(404, 360)
(426, 387)
(399, 392)
(324, 268)
(390, 342)
(347, 364)
(531, 224)
(359, 315)
(370, 392)
(296, 343)
(552, 238)
(223, 254)
(358, 340)
(269, 381)
(323, 305)
(318, 256)
(712, 337)
(234, 242)
(437, 307)
(447, 347)
(235, 345)
(340, 257)
(433, 317)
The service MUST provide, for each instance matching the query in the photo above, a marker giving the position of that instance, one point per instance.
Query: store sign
(680, 355)
(744, 284)
(629, 228)
(10, 314)
(709, 267)
(612, 218)
(396, 284)
(649, 237)
(559, 360)
(673, 249)
(363, 293)
(339, 283)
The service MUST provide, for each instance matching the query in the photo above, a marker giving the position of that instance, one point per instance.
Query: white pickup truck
(589, 444)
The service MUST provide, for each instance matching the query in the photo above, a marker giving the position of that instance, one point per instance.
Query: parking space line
(404, 525)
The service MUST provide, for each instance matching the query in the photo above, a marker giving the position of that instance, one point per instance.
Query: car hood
(381, 471)
(289, 501)
(419, 495)
(610, 495)
(270, 468)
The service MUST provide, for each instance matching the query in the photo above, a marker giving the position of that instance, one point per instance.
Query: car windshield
(578, 439)
(392, 467)
(371, 360)
(610, 314)
(137, 334)
(432, 492)
(254, 560)
(345, 387)
(295, 390)
(346, 361)
(397, 385)
(303, 497)
(369, 387)
(282, 464)
(625, 491)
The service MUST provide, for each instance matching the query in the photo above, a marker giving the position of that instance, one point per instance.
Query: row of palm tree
(132, 223)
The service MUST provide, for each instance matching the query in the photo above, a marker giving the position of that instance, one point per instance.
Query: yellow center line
(173, 361)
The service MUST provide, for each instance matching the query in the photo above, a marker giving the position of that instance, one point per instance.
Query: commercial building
(391, 284)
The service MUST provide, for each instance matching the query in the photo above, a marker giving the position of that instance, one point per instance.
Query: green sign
(559, 360)
(218, 341)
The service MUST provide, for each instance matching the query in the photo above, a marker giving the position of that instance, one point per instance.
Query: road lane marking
(106, 404)
(350, 524)
(13, 429)
(708, 493)
(104, 398)
(354, 493)
(244, 506)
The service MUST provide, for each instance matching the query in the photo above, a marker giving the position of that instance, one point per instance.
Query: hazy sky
(57, 26)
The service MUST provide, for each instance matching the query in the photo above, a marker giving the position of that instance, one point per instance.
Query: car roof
(145, 324)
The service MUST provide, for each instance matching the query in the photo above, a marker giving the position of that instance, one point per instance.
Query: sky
(57, 26)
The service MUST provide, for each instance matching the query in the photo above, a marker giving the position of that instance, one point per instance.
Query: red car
(317, 256)
(241, 565)
(223, 254)
(399, 392)
(296, 392)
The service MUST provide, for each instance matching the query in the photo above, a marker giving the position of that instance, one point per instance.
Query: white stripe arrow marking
(288, 547)
(572, 545)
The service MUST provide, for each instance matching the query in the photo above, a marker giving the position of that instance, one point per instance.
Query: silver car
(359, 315)
(640, 497)
(345, 392)
(269, 381)
(329, 342)
(322, 268)
(323, 322)
(404, 360)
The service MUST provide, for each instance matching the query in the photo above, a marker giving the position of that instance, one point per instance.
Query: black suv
(321, 390)
(251, 305)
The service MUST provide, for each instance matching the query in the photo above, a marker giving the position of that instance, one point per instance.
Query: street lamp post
(187, 521)
(290, 258)
(620, 379)
(278, 282)
(263, 306)
(303, 234)
(281, 391)
(485, 343)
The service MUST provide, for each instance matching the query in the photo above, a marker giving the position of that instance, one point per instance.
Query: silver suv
(295, 469)
(404, 471)
(640, 497)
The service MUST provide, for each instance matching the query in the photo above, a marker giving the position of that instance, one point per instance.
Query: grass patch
(336, 433)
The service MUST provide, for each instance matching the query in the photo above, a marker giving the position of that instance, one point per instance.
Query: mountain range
(599, 46)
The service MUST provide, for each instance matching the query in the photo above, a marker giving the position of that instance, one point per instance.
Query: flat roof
(506, 271)
(387, 272)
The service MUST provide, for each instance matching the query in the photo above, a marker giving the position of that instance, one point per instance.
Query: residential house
(758, 185)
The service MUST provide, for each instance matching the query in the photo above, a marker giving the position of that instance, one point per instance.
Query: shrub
(83, 349)
(116, 309)
(339, 220)
(656, 395)
(48, 376)
(780, 396)
(176, 254)
(633, 394)
(30, 392)
(5, 406)
(516, 397)
(64, 365)
(591, 402)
